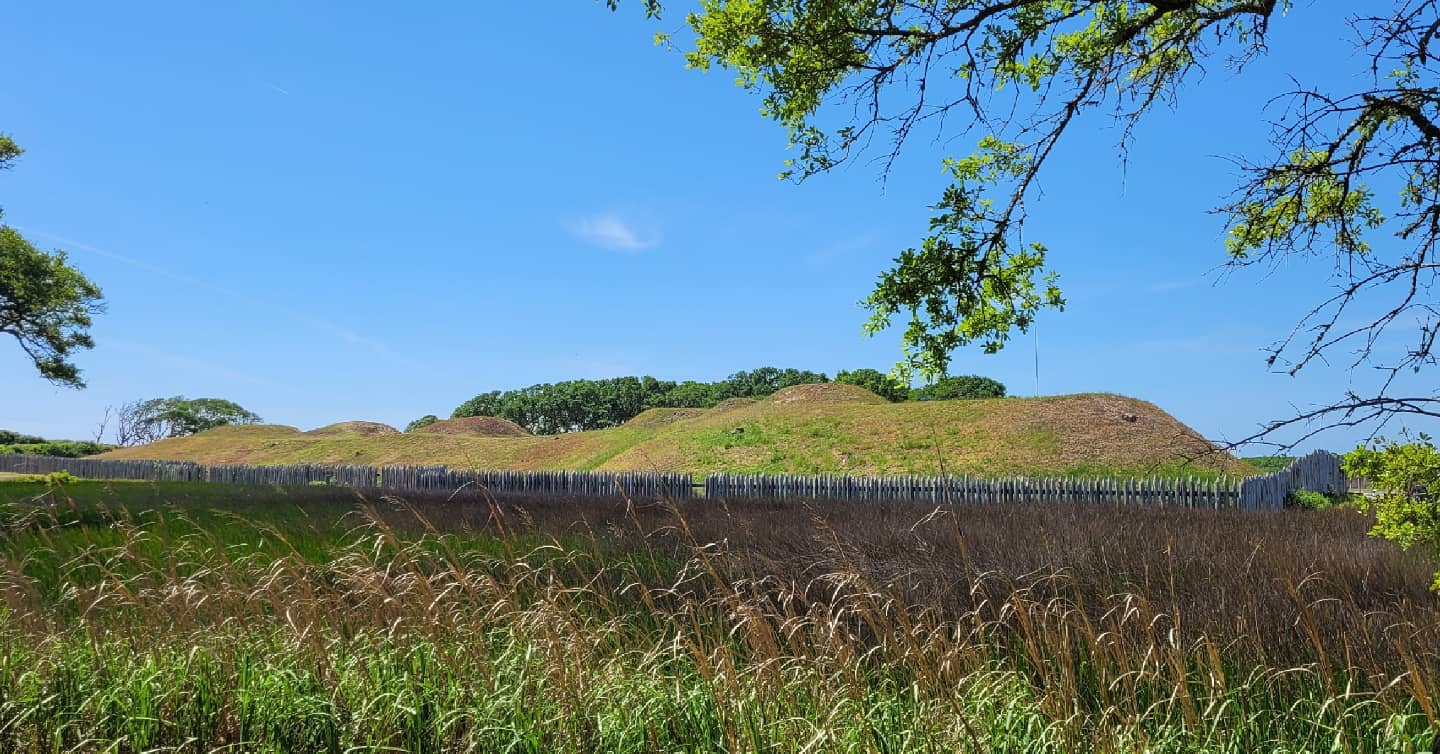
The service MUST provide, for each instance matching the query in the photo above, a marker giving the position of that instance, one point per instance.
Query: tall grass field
(142, 617)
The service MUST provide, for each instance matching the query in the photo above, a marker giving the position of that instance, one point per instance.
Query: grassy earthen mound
(730, 404)
(250, 430)
(807, 429)
(1096, 431)
(825, 392)
(659, 417)
(476, 426)
(364, 429)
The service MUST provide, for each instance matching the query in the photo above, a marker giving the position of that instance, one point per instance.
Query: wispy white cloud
(184, 364)
(612, 232)
(342, 333)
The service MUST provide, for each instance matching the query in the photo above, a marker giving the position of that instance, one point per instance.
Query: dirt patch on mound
(476, 426)
(364, 429)
(730, 404)
(250, 429)
(825, 392)
(1103, 430)
(660, 417)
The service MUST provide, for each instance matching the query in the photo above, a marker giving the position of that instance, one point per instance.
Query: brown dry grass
(476, 426)
(362, 428)
(715, 626)
(1248, 580)
(660, 417)
(824, 392)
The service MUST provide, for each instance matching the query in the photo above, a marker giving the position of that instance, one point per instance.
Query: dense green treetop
(575, 405)
(159, 418)
(46, 305)
(960, 387)
(1406, 476)
(15, 442)
(422, 422)
(877, 382)
(9, 151)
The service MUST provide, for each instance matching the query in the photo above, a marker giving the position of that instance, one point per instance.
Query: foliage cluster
(155, 419)
(1406, 476)
(1350, 174)
(45, 304)
(15, 442)
(10, 437)
(877, 382)
(577, 405)
(960, 387)
(422, 422)
(60, 448)
(1312, 500)
(474, 625)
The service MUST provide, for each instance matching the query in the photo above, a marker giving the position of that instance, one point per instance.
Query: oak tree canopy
(45, 304)
(1353, 175)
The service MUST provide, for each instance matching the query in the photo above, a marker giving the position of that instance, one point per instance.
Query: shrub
(8, 437)
(56, 478)
(57, 448)
(961, 387)
(1308, 499)
(62, 448)
(423, 421)
(877, 382)
(1407, 476)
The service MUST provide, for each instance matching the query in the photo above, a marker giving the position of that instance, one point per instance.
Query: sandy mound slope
(825, 392)
(365, 429)
(238, 430)
(660, 417)
(476, 426)
(730, 404)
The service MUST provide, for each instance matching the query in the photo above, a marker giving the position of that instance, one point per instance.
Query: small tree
(1407, 476)
(422, 422)
(147, 421)
(45, 304)
(961, 387)
(1350, 184)
(877, 382)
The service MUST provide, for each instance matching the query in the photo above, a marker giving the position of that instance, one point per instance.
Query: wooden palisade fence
(1187, 492)
(388, 478)
(1320, 471)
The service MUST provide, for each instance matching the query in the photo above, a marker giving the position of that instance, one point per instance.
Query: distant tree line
(15, 442)
(138, 422)
(944, 389)
(576, 405)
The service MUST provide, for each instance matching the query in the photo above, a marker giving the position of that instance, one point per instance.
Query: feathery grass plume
(315, 622)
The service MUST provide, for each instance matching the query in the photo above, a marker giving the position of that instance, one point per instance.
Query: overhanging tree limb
(1011, 77)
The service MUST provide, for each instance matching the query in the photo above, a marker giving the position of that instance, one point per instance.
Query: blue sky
(338, 212)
